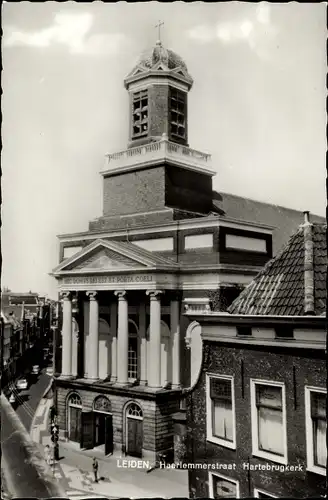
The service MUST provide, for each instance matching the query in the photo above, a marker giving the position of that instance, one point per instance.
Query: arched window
(75, 400)
(133, 351)
(102, 404)
(134, 411)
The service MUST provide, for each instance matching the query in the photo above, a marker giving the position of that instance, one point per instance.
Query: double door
(97, 430)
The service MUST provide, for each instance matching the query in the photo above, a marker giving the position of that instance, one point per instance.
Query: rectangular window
(269, 420)
(198, 241)
(222, 487)
(133, 357)
(262, 494)
(140, 114)
(316, 429)
(246, 244)
(178, 113)
(221, 411)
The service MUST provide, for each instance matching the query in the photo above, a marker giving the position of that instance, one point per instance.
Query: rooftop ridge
(222, 193)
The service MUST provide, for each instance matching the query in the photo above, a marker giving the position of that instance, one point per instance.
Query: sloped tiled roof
(279, 288)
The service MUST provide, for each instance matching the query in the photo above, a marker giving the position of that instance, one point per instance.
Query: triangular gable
(160, 66)
(137, 70)
(181, 71)
(105, 255)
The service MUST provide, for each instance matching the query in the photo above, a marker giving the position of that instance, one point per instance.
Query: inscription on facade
(83, 280)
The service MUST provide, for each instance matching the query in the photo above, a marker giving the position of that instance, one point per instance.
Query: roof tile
(279, 288)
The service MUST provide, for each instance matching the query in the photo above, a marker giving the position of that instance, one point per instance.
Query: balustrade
(162, 148)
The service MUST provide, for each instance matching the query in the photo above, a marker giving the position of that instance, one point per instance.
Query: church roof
(159, 53)
(160, 60)
(283, 287)
(284, 220)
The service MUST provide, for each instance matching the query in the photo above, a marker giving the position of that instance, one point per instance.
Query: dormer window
(140, 114)
(177, 114)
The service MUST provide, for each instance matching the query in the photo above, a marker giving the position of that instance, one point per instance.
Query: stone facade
(157, 415)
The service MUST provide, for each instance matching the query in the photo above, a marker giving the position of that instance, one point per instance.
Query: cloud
(253, 30)
(70, 30)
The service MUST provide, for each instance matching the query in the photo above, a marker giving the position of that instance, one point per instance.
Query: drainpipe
(308, 266)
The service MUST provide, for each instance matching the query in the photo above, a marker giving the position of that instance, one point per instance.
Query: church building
(127, 350)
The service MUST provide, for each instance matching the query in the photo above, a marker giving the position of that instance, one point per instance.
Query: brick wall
(158, 96)
(260, 364)
(188, 190)
(134, 192)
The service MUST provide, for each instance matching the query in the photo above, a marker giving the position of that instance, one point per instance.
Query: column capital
(120, 294)
(92, 295)
(154, 294)
(66, 295)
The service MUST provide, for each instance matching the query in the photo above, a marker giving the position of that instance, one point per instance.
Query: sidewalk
(74, 470)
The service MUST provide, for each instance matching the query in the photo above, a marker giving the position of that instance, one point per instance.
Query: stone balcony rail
(158, 152)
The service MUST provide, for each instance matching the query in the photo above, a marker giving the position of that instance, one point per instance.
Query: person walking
(47, 454)
(95, 469)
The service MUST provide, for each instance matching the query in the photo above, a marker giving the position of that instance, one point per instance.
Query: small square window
(222, 487)
(284, 332)
(244, 331)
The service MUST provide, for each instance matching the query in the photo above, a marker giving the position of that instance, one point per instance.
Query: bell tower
(158, 177)
(158, 89)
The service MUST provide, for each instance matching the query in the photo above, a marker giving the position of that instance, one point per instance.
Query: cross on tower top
(160, 23)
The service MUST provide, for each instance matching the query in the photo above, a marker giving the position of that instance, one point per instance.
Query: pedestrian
(95, 469)
(47, 454)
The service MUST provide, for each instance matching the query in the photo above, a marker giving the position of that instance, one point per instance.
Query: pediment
(102, 259)
(106, 260)
(106, 256)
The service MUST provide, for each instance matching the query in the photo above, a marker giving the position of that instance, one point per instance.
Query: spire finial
(160, 23)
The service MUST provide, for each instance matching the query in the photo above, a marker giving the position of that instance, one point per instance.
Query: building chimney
(306, 217)
(308, 266)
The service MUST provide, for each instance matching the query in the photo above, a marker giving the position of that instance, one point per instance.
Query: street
(28, 400)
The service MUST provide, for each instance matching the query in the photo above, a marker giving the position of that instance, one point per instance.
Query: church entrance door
(134, 431)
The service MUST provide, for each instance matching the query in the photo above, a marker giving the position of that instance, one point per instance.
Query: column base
(113, 379)
(65, 377)
(122, 384)
(143, 382)
(176, 386)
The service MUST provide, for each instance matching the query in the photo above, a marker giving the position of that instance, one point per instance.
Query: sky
(257, 105)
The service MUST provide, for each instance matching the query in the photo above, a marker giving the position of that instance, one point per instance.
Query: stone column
(93, 344)
(122, 338)
(143, 343)
(154, 369)
(175, 335)
(67, 336)
(113, 350)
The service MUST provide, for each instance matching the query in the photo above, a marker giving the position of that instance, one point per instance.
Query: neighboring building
(258, 407)
(164, 235)
(24, 320)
